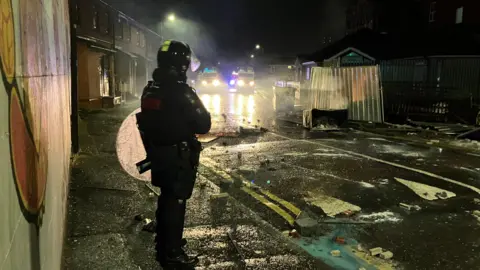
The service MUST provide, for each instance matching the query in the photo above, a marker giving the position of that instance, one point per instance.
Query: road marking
(277, 209)
(270, 205)
(330, 205)
(292, 208)
(287, 205)
(425, 191)
(439, 177)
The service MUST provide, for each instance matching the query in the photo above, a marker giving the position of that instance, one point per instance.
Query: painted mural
(35, 119)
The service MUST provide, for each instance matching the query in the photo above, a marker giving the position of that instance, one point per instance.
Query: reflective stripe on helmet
(166, 46)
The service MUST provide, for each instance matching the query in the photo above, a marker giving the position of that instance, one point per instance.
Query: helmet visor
(194, 62)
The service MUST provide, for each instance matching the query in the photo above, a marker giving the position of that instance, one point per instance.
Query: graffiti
(27, 119)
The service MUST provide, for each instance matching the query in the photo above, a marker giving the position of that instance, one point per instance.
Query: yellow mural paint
(7, 42)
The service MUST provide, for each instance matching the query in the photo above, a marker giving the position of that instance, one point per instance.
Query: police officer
(171, 115)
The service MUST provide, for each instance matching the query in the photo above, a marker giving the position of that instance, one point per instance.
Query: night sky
(231, 28)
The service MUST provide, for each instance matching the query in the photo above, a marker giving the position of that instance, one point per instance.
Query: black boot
(178, 260)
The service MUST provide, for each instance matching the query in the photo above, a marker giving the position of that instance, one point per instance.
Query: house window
(459, 16)
(119, 29)
(307, 74)
(138, 37)
(107, 22)
(433, 10)
(142, 40)
(95, 18)
(272, 69)
(128, 31)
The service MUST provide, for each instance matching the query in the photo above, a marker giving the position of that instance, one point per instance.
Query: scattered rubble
(386, 255)
(306, 226)
(293, 233)
(375, 251)
(476, 201)
(149, 225)
(239, 155)
(336, 253)
(339, 240)
(476, 214)
(410, 207)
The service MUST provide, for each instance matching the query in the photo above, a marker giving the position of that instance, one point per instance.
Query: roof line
(350, 49)
(138, 24)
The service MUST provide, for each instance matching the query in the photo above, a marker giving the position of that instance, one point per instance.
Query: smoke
(190, 32)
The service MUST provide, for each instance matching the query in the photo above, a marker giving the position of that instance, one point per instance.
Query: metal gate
(356, 89)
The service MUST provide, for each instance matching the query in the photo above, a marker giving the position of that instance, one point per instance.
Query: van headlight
(252, 83)
(241, 83)
(216, 82)
(204, 82)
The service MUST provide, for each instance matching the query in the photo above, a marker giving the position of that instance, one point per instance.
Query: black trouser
(170, 217)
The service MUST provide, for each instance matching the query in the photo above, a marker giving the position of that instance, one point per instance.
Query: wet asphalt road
(323, 173)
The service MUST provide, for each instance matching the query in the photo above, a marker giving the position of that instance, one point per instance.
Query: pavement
(104, 201)
(413, 199)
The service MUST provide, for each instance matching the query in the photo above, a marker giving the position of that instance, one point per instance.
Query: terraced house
(115, 54)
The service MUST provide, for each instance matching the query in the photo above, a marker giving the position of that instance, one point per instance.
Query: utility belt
(187, 152)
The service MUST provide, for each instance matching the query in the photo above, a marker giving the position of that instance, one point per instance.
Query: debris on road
(329, 205)
(425, 191)
(217, 196)
(139, 217)
(386, 255)
(335, 253)
(476, 214)
(375, 251)
(293, 233)
(149, 225)
(476, 201)
(239, 155)
(381, 217)
(306, 226)
(410, 207)
(339, 240)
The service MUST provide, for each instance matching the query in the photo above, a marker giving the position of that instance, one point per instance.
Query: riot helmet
(178, 56)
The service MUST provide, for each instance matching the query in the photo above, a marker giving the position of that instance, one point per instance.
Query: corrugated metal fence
(354, 88)
(435, 88)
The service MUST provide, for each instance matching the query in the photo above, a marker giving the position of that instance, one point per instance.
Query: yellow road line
(287, 205)
(292, 208)
(284, 214)
(270, 205)
(475, 189)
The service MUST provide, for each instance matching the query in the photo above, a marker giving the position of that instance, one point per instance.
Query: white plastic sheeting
(354, 88)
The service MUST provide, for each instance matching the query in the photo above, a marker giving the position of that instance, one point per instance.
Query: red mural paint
(30, 173)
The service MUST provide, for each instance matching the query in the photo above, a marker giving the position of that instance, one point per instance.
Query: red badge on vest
(151, 103)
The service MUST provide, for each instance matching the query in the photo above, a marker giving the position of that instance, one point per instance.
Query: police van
(210, 80)
(243, 81)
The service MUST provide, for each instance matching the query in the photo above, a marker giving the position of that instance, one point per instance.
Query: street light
(257, 47)
(171, 17)
(252, 56)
